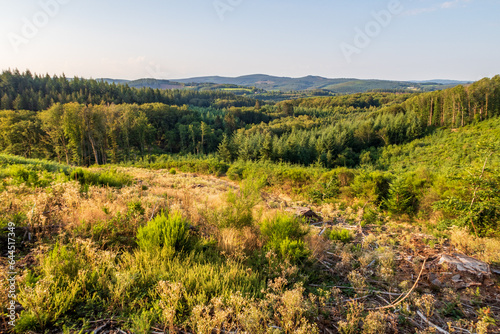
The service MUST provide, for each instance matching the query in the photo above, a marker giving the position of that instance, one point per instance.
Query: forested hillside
(27, 91)
(330, 131)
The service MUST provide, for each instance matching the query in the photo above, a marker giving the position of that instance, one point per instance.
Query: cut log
(466, 264)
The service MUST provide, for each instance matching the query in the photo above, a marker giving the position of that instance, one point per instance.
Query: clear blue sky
(169, 39)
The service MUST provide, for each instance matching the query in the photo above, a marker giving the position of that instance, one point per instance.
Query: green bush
(281, 227)
(325, 190)
(47, 298)
(343, 235)
(238, 212)
(401, 197)
(110, 178)
(62, 262)
(293, 250)
(113, 178)
(28, 174)
(373, 186)
(283, 235)
(173, 171)
(135, 208)
(36, 164)
(235, 172)
(170, 231)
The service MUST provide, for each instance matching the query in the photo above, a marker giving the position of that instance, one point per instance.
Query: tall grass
(49, 166)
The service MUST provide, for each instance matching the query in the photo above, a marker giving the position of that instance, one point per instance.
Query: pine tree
(266, 151)
(245, 151)
(6, 102)
(224, 149)
(400, 197)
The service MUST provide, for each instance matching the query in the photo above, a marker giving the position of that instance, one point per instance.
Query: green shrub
(238, 212)
(36, 164)
(45, 303)
(281, 227)
(373, 186)
(325, 190)
(28, 174)
(141, 322)
(110, 178)
(235, 172)
(113, 178)
(173, 171)
(62, 262)
(401, 198)
(293, 250)
(370, 216)
(135, 209)
(283, 235)
(343, 235)
(170, 231)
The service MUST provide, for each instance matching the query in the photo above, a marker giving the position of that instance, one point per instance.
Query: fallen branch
(399, 300)
(98, 329)
(439, 329)
(153, 213)
(350, 287)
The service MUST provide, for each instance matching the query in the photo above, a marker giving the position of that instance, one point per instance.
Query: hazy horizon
(410, 40)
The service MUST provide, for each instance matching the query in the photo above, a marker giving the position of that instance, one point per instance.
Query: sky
(173, 39)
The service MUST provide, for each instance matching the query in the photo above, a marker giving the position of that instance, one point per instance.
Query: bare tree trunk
(486, 107)
(462, 111)
(96, 156)
(432, 109)
(453, 118)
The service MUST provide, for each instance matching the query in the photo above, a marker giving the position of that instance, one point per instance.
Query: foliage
(170, 232)
(238, 211)
(283, 234)
(342, 235)
(204, 267)
(478, 208)
(111, 178)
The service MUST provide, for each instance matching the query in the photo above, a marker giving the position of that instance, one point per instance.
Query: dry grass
(375, 260)
(485, 249)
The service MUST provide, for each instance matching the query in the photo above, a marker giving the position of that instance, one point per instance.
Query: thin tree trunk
(486, 107)
(96, 156)
(432, 109)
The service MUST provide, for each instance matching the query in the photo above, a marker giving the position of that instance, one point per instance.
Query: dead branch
(439, 329)
(399, 300)
(98, 329)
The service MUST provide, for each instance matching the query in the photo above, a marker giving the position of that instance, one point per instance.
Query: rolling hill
(287, 84)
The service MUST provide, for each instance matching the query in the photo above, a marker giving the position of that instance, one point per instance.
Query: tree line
(27, 91)
(82, 134)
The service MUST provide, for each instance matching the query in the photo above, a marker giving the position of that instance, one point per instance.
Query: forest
(87, 124)
(138, 210)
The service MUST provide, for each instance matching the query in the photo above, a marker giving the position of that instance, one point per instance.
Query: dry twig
(399, 300)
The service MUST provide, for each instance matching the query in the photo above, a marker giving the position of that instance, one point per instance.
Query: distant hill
(287, 84)
(442, 82)
(268, 82)
(151, 83)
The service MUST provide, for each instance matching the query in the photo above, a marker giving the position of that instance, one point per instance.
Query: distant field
(237, 89)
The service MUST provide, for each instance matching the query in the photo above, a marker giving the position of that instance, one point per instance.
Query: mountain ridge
(286, 84)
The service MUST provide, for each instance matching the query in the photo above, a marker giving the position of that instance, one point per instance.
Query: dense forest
(27, 91)
(86, 122)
